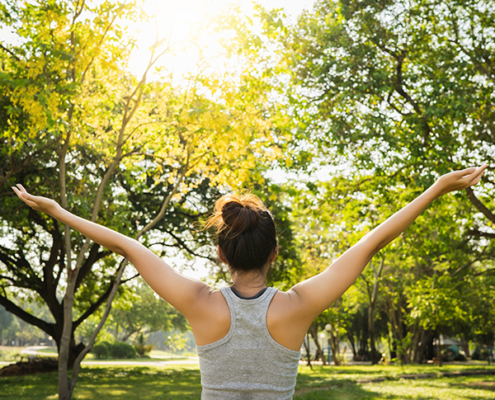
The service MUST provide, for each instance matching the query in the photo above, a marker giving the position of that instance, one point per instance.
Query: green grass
(183, 382)
(9, 355)
(340, 383)
(108, 382)
(50, 350)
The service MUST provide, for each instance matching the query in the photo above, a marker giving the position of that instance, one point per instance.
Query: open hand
(458, 180)
(37, 203)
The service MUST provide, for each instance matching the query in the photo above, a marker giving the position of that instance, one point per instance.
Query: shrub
(101, 350)
(10, 355)
(122, 350)
(143, 349)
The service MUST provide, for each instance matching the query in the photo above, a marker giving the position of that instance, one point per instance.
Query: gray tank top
(248, 364)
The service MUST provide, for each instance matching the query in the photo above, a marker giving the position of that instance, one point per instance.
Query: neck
(248, 283)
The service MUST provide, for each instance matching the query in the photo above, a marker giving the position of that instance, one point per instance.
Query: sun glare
(185, 27)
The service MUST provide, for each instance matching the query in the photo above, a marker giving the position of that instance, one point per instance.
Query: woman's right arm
(182, 292)
(316, 294)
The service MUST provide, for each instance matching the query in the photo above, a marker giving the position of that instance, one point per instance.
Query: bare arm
(316, 294)
(182, 292)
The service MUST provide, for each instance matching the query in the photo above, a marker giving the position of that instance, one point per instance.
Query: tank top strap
(229, 297)
(268, 336)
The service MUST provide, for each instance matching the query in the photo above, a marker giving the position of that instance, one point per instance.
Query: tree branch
(478, 233)
(94, 306)
(94, 256)
(183, 244)
(479, 205)
(7, 50)
(129, 279)
(26, 317)
(14, 170)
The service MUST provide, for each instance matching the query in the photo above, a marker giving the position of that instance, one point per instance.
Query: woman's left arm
(181, 292)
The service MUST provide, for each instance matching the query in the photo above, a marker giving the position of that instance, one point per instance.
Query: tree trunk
(66, 339)
(418, 334)
(308, 354)
(397, 332)
(314, 334)
(89, 346)
(419, 355)
(350, 337)
(375, 355)
(404, 349)
(439, 353)
(334, 345)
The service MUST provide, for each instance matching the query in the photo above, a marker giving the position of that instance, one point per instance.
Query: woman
(249, 336)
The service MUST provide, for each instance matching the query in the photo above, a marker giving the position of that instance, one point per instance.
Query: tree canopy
(359, 105)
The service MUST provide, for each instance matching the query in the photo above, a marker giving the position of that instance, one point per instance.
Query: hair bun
(246, 233)
(235, 214)
(238, 217)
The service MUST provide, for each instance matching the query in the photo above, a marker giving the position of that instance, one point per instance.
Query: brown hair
(245, 231)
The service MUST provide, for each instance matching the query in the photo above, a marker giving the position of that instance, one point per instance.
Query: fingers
(21, 188)
(477, 175)
(17, 192)
(24, 195)
(466, 171)
(472, 173)
(22, 191)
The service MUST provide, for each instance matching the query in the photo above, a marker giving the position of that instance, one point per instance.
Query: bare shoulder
(285, 304)
(212, 299)
(210, 318)
(286, 321)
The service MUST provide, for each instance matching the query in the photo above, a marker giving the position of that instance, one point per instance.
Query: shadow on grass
(447, 388)
(334, 383)
(110, 383)
(184, 382)
(347, 391)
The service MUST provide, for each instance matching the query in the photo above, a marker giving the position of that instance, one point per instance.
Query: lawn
(183, 382)
(341, 383)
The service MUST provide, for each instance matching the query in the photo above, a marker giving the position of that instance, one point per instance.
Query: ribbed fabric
(247, 364)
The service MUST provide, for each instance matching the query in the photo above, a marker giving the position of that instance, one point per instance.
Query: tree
(6, 319)
(145, 158)
(436, 302)
(391, 95)
(398, 88)
(176, 342)
(144, 312)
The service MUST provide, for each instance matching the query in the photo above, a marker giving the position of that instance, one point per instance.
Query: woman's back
(248, 363)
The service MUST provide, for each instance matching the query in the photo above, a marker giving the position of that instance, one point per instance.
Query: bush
(101, 350)
(480, 354)
(122, 350)
(113, 350)
(10, 355)
(143, 349)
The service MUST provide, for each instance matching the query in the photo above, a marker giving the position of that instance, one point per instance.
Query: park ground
(321, 382)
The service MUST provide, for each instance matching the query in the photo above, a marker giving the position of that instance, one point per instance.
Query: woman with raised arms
(248, 335)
